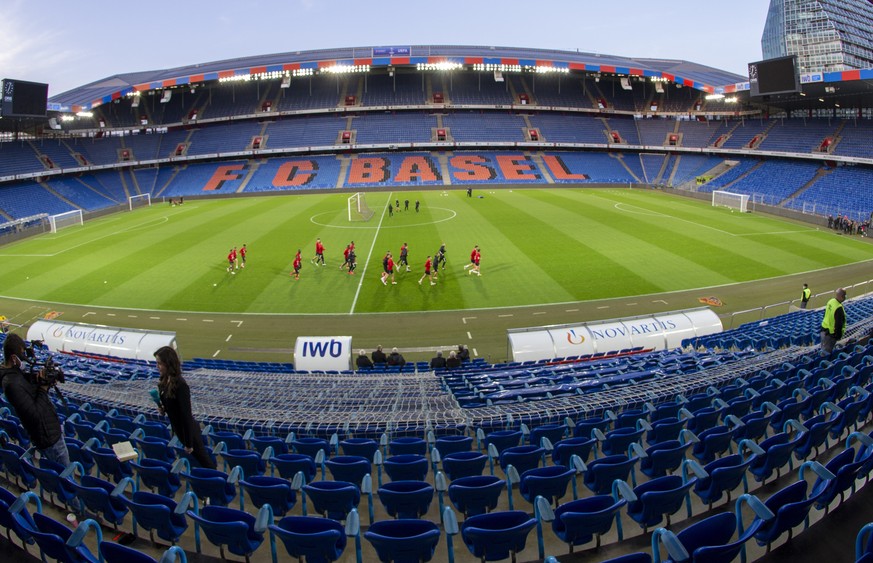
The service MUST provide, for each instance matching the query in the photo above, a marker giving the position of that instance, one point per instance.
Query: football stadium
(446, 303)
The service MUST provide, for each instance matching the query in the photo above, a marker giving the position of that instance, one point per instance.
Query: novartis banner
(657, 332)
(128, 343)
(323, 353)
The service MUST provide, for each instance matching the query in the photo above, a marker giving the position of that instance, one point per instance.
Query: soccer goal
(730, 199)
(141, 200)
(68, 219)
(358, 209)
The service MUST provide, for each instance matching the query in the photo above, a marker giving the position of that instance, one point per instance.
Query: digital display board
(23, 99)
(774, 76)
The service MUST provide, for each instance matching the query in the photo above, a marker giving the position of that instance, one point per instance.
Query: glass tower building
(826, 35)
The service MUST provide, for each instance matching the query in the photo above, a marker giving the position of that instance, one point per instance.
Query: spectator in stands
(363, 362)
(438, 361)
(463, 353)
(453, 361)
(379, 356)
(804, 297)
(29, 396)
(395, 359)
(175, 402)
(834, 322)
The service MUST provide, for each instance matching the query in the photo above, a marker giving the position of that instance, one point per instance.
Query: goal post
(358, 208)
(731, 200)
(67, 219)
(141, 200)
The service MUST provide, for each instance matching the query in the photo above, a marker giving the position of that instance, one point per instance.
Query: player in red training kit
(472, 257)
(427, 272)
(346, 256)
(296, 266)
(476, 257)
(319, 253)
(242, 255)
(231, 260)
(388, 266)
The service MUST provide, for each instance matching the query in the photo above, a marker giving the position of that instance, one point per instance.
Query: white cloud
(31, 50)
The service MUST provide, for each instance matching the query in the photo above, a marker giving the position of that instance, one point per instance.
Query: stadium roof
(683, 72)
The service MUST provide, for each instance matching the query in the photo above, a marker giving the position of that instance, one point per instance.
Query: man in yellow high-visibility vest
(834, 322)
(804, 297)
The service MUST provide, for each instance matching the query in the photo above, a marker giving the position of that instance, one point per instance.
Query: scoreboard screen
(23, 99)
(774, 76)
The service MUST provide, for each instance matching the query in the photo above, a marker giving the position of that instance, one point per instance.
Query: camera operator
(28, 393)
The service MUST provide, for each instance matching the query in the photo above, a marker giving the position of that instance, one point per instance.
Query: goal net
(730, 199)
(358, 209)
(141, 200)
(68, 219)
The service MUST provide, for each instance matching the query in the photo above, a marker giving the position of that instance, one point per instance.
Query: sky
(67, 44)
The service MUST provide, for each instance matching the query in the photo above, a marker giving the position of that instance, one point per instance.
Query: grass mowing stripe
(363, 272)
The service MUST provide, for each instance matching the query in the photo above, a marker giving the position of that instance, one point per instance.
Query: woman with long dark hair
(175, 402)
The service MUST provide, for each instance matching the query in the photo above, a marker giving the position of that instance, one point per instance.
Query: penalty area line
(369, 254)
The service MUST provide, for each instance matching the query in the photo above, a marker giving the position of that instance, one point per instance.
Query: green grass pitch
(538, 246)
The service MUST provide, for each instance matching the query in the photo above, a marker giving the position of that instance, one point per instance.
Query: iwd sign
(323, 353)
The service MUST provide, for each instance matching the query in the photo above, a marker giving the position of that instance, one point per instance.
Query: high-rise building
(826, 35)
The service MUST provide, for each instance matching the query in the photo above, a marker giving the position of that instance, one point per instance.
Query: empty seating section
(196, 176)
(599, 167)
(569, 128)
(174, 111)
(164, 176)
(309, 93)
(677, 99)
(744, 132)
(29, 198)
(652, 164)
(397, 127)
(18, 158)
(79, 193)
(633, 163)
(556, 91)
(321, 131)
(485, 126)
(478, 89)
(687, 167)
(120, 115)
(727, 179)
(98, 151)
(797, 135)
(234, 98)
(700, 134)
(653, 132)
(112, 184)
(57, 151)
(845, 190)
(854, 139)
(775, 180)
(264, 178)
(621, 99)
(627, 128)
(146, 147)
(224, 138)
(402, 89)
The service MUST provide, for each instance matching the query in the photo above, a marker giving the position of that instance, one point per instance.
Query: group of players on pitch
(236, 259)
(350, 263)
